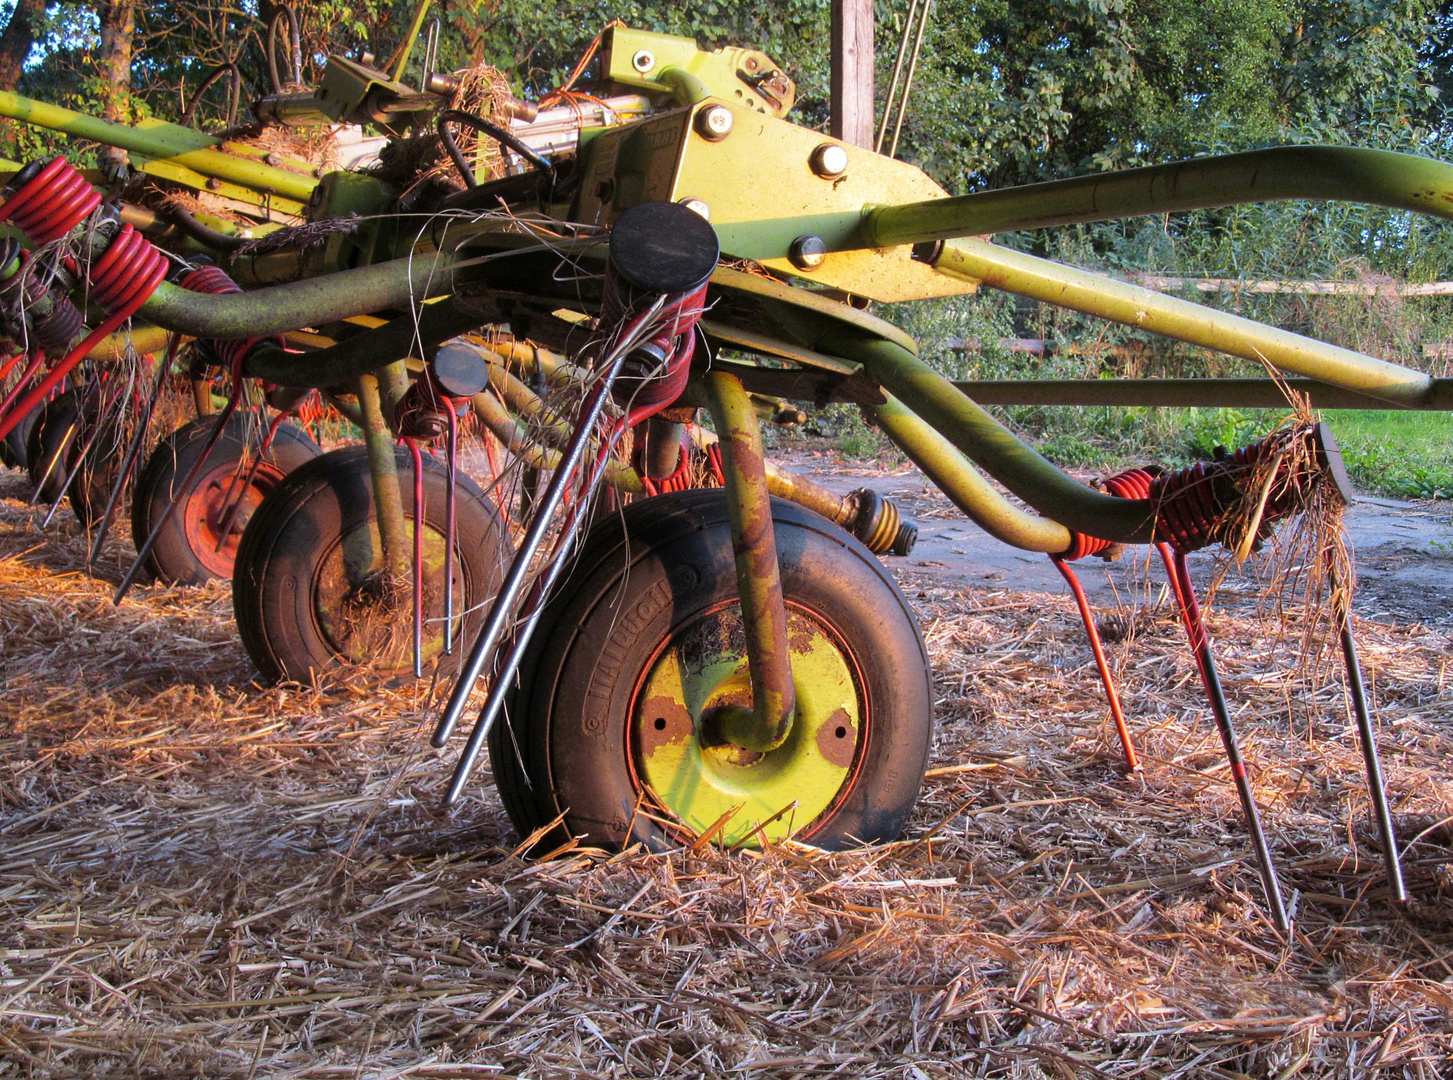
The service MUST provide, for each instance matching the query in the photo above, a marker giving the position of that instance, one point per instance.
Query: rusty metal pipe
(759, 579)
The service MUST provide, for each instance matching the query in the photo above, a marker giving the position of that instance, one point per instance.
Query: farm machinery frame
(734, 664)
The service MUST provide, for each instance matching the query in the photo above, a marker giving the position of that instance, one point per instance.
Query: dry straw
(201, 876)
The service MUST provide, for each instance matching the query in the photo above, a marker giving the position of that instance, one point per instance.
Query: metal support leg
(1376, 789)
(384, 471)
(1175, 564)
(1132, 762)
(759, 579)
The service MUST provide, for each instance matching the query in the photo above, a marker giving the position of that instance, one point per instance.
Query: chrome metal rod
(1201, 647)
(1376, 788)
(503, 610)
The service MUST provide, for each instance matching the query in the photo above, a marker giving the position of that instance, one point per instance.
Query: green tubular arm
(686, 87)
(313, 302)
(179, 144)
(1346, 173)
(960, 481)
(1118, 301)
(996, 449)
(362, 353)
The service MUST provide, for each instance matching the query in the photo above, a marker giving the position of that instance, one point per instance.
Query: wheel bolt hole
(841, 732)
(660, 723)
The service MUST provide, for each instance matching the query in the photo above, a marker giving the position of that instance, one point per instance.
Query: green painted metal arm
(1345, 173)
(1002, 454)
(1118, 301)
(1264, 393)
(179, 144)
(313, 302)
(942, 463)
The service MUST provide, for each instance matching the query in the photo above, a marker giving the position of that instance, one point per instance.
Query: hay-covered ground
(202, 876)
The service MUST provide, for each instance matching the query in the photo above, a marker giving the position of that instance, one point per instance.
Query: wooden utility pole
(851, 116)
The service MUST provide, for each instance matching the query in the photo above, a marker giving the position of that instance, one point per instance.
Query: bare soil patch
(203, 876)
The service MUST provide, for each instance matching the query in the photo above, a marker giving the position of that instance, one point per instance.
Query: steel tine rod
(417, 576)
(504, 672)
(178, 494)
(56, 459)
(133, 449)
(1201, 646)
(83, 455)
(1132, 760)
(234, 508)
(897, 74)
(450, 506)
(1376, 788)
(908, 78)
(504, 603)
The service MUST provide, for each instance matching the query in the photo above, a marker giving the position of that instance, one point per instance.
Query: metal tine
(114, 405)
(55, 460)
(1180, 575)
(417, 576)
(1132, 760)
(234, 508)
(171, 508)
(492, 632)
(505, 669)
(451, 465)
(133, 451)
(503, 610)
(1376, 788)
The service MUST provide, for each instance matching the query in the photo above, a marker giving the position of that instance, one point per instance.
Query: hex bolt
(829, 161)
(714, 123)
(807, 252)
(696, 206)
(643, 61)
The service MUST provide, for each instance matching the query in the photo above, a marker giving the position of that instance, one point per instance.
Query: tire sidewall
(591, 667)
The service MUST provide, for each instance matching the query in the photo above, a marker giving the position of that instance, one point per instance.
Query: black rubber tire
(649, 574)
(186, 553)
(56, 429)
(14, 447)
(51, 433)
(288, 585)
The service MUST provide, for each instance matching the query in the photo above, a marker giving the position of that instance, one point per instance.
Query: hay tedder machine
(674, 635)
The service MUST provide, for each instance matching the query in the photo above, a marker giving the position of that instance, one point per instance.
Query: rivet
(807, 252)
(829, 160)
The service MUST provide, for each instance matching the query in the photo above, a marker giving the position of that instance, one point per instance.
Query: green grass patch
(1401, 455)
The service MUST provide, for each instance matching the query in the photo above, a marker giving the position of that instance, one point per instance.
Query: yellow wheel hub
(771, 795)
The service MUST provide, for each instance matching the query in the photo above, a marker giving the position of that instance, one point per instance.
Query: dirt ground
(200, 875)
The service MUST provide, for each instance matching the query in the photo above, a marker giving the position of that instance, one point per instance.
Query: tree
(18, 39)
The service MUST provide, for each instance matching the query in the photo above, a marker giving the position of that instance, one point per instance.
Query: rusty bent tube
(759, 579)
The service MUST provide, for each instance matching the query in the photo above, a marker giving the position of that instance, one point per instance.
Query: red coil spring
(1191, 505)
(1131, 484)
(128, 273)
(214, 280)
(679, 480)
(51, 203)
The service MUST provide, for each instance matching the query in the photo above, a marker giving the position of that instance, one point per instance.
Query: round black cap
(663, 247)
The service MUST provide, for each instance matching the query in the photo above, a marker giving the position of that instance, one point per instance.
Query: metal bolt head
(714, 122)
(829, 160)
(697, 206)
(807, 252)
(643, 61)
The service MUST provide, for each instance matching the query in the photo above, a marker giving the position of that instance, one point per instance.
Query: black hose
(501, 135)
(217, 241)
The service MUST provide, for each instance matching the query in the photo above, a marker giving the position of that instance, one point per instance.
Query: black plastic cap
(663, 247)
(459, 370)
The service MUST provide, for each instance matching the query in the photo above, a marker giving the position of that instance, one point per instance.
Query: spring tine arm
(1201, 648)
(1132, 760)
(1376, 788)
